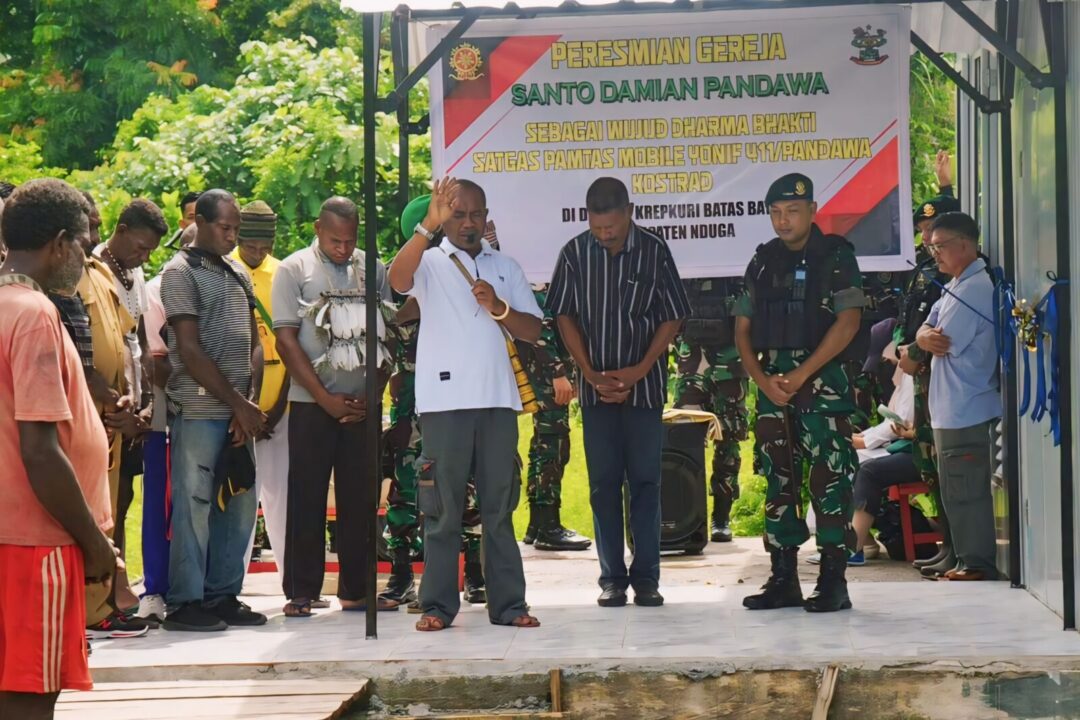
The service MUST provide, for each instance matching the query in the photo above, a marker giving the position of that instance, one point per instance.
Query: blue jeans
(155, 529)
(208, 554)
(623, 444)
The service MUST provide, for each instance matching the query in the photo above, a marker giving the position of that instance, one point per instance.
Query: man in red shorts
(54, 483)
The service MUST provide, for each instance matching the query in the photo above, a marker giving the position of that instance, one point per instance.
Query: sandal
(525, 621)
(382, 604)
(300, 608)
(320, 603)
(430, 623)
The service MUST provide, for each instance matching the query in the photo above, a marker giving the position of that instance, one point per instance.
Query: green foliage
(86, 69)
(289, 132)
(933, 124)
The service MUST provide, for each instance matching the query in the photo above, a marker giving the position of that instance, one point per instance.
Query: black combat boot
(551, 535)
(530, 531)
(721, 519)
(831, 593)
(782, 589)
(400, 587)
(475, 593)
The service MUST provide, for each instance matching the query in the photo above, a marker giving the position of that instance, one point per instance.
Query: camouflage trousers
(549, 452)
(402, 514)
(868, 393)
(788, 443)
(727, 400)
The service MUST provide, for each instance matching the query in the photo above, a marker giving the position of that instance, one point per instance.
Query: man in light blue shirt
(965, 400)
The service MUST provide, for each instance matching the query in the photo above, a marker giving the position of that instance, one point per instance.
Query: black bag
(891, 534)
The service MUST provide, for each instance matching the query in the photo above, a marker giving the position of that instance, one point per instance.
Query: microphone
(471, 238)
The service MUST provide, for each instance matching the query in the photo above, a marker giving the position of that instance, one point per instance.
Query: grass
(746, 517)
(576, 514)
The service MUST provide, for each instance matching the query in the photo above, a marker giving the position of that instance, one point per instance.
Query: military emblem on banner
(466, 61)
(868, 41)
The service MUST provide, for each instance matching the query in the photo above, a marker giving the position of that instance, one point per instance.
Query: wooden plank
(494, 716)
(240, 699)
(323, 708)
(825, 692)
(105, 692)
(556, 689)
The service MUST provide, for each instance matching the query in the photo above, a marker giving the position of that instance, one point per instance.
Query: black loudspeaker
(684, 515)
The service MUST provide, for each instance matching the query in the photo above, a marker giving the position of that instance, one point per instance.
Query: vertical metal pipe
(371, 251)
(399, 51)
(1010, 419)
(1055, 14)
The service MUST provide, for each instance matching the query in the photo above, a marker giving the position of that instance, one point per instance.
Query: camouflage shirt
(547, 359)
(830, 390)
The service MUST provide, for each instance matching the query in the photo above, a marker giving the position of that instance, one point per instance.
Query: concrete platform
(897, 620)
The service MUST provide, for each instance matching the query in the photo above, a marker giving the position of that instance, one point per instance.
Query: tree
(933, 123)
(288, 132)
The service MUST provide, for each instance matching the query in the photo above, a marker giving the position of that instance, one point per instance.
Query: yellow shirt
(109, 322)
(262, 278)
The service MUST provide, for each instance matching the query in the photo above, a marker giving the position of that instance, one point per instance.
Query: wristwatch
(420, 229)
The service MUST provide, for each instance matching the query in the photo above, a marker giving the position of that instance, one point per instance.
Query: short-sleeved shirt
(198, 285)
(154, 320)
(135, 299)
(831, 388)
(110, 323)
(262, 279)
(964, 387)
(135, 302)
(76, 321)
(619, 302)
(461, 357)
(41, 380)
(301, 279)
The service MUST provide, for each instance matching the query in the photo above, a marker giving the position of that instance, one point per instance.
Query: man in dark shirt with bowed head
(619, 303)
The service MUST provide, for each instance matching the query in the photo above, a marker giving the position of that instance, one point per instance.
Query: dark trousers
(155, 518)
(874, 478)
(319, 444)
(623, 444)
(458, 444)
(965, 462)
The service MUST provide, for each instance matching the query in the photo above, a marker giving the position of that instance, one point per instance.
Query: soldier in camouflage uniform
(711, 378)
(873, 388)
(546, 364)
(797, 321)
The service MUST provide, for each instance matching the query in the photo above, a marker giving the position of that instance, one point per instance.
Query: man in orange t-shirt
(55, 482)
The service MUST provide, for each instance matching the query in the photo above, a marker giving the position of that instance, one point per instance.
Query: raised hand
(443, 196)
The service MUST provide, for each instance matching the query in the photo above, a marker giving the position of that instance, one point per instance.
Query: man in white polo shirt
(467, 397)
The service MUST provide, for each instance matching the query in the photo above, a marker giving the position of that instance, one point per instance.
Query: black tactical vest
(711, 324)
(920, 296)
(789, 294)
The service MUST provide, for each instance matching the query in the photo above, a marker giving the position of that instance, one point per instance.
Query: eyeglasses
(935, 248)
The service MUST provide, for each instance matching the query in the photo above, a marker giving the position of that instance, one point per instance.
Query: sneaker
(856, 560)
(190, 617)
(116, 627)
(233, 612)
(152, 607)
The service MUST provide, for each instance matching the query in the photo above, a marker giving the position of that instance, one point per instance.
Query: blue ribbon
(1047, 398)
(1005, 325)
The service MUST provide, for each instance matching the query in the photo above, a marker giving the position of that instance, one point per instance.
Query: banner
(697, 112)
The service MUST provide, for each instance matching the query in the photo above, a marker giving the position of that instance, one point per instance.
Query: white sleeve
(521, 297)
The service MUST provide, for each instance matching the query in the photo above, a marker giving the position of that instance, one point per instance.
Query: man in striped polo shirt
(619, 303)
(212, 391)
